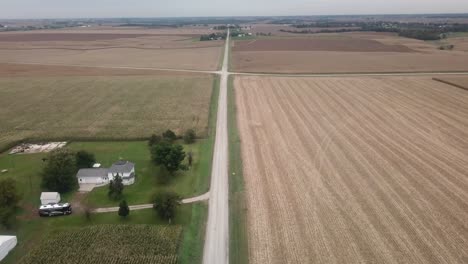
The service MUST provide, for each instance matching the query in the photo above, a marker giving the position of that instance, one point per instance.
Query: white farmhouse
(102, 176)
(124, 169)
(50, 197)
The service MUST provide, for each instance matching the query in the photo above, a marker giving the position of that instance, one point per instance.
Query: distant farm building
(102, 176)
(50, 197)
(7, 243)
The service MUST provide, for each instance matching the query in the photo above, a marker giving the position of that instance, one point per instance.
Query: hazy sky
(176, 8)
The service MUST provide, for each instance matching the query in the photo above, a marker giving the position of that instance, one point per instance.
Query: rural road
(370, 74)
(216, 249)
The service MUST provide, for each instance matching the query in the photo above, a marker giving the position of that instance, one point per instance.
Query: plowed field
(354, 170)
(317, 44)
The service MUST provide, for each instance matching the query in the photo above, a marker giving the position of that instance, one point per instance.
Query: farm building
(102, 176)
(7, 243)
(50, 197)
(93, 175)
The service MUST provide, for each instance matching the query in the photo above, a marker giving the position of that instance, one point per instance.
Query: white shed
(7, 243)
(50, 197)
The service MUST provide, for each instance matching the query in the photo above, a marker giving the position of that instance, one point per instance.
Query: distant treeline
(147, 25)
(422, 31)
(223, 27)
(213, 36)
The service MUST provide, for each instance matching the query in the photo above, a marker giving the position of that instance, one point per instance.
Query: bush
(124, 210)
(154, 139)
(169, 135)
(84, 159)
(189, 136)
(116, 188)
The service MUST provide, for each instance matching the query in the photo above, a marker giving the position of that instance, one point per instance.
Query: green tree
(168, 155)
(9, 194)
(154, 139)
(7, 217)
(84, 159)
(116, 188)
(124, 210)
(189, 136)
(59, 173)
(9, 199)
(165, 204)
(169, 135)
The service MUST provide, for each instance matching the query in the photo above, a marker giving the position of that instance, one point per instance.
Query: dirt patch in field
(354, 170)
(317, 44)
(17, 37)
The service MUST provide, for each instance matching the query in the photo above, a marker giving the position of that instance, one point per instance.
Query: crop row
(109, 244)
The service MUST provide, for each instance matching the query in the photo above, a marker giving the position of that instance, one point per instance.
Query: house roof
(122, 166)
(49, 195)
(92, 172)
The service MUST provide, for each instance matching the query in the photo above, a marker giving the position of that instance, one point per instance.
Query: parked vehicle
(54, 209)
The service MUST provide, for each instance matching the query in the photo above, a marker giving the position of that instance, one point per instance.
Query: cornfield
(108, 244)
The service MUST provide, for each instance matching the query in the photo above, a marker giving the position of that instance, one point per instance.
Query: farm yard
(25, 169)
(112, 48)
(109, 244)
(343, 53)
(105, 107)
(354, 170)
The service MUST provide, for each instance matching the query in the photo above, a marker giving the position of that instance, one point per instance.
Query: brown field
(318, 44)
(345, 53)
(25, 70)
(275, 29)
(130, 48)
(354, 170)
(17, 37)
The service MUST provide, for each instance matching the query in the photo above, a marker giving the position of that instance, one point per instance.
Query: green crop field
(108, 244)
(99, 108)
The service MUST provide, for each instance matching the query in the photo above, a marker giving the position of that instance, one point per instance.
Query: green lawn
(185, 183)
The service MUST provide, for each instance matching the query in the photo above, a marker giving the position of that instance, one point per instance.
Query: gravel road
(216, 249)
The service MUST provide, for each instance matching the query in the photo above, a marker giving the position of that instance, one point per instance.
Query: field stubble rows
(354, 170)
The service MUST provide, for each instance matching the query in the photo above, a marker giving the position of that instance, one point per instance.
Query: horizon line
(238, 16)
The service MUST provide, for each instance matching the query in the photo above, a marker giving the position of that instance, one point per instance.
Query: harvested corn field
(354, 170)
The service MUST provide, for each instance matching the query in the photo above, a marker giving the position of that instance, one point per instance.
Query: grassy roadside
(191, 250)
(238, 248)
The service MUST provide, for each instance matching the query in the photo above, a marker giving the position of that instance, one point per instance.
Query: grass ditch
(238, 248)
(193, 238)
